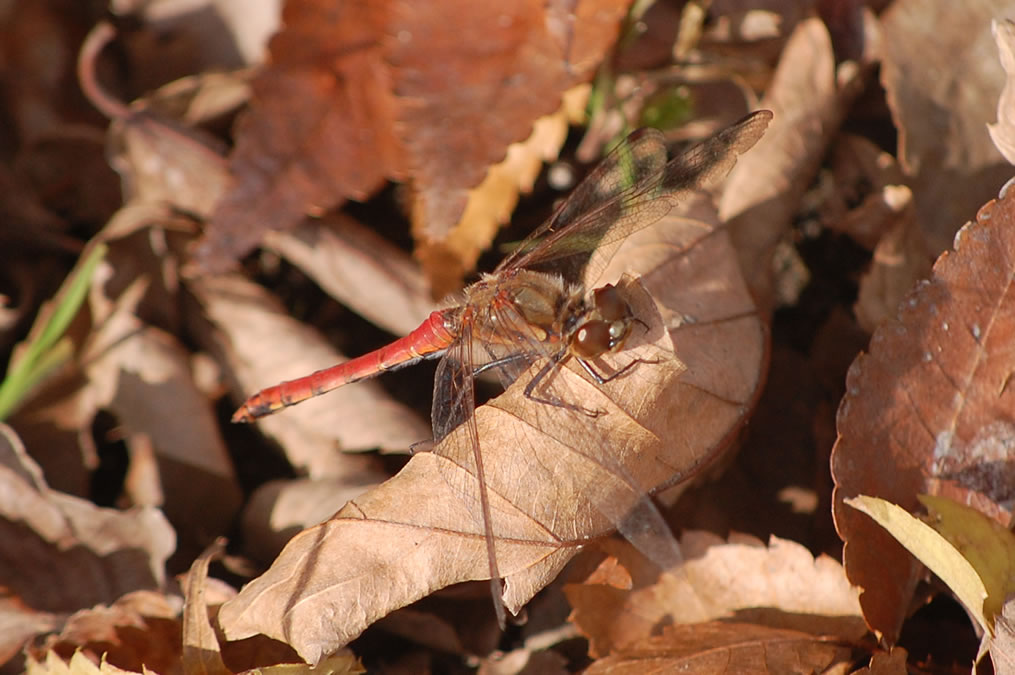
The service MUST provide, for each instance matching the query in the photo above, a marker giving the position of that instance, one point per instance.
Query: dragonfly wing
(632, 188)
(454, 404)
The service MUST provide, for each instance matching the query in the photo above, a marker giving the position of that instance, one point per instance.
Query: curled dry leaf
(421, 530)
(928, 410)
(201, 653)
(626, 600)
(142, 375)
(140, 630)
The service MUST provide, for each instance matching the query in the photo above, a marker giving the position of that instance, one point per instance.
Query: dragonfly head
(607, 324)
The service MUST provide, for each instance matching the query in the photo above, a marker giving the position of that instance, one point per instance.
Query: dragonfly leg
(603, 379)
(503, 361)
(551, 367)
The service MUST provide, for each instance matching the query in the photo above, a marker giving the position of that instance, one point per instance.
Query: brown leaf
(139, 630)
(70, 554)
(900, 260)
(319, 130)
(201, 653)
(942, 100)
(727, 648)
(779, 586)
(421, 530)
(358, 268)
(491, 203)
(765, 188)
(892, 662)
(142, 375)
(261, 345)
(928, 409)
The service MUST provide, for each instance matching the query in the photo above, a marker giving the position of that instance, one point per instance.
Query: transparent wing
(631, 188)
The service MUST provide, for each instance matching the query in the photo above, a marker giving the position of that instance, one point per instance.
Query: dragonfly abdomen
(429, 340)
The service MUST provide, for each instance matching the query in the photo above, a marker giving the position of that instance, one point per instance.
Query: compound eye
(609, 304)
(593, 339)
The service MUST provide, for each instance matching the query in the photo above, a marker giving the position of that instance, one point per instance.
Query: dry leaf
(726, 648)
(359, 94)
(887, 663)
(932, 549)
(358, 268)
(928, 409)
(764, 190)
(81, 555)
(280, 509)
(1002, 647)
(900, 260)
(942, 100)
(139, 629)
(201, 653)
(1003, 132)
(779, 586)
(481, 74)
(491, 203)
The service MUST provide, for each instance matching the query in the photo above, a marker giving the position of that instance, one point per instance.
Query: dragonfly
(533, 315)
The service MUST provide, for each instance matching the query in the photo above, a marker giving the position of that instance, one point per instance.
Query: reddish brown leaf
(887, 663)
(140, 629)
(362, 92)
(928, 410)
(472, 77)
(320, 127)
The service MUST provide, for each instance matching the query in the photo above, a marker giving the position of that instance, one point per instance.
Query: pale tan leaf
(358, 268)
(201, 652)
(782, 585)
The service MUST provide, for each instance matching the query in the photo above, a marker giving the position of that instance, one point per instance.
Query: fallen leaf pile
(799, 459)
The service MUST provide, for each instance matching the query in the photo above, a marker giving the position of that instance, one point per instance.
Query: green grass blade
(45, 352)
